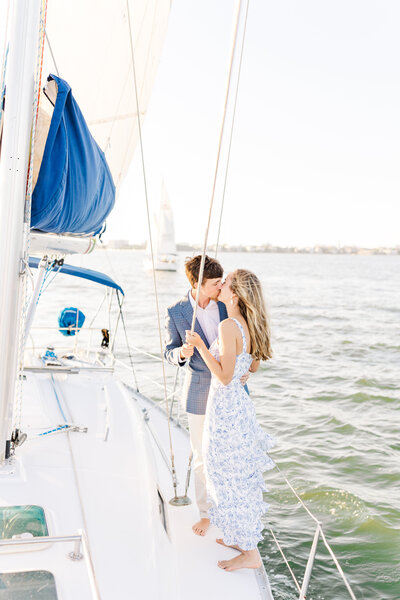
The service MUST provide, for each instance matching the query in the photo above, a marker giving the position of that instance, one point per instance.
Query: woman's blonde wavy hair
(247, 288)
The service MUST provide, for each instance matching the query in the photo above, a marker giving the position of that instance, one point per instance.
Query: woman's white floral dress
(234, 450)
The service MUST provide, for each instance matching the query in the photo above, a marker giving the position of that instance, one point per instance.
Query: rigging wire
(286, 561)
(174, 478)
(321, 533)
(227, 94)
(127, 341)
(221, 135)
(51, 52)
(233, 120)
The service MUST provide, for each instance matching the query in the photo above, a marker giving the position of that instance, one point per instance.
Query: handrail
(79, 538)
(40, 540)
(68, 370)
(310, 562)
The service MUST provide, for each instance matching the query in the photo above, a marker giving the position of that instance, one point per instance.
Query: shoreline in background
(266, 248)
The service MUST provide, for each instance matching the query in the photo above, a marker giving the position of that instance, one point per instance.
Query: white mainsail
(91, 46)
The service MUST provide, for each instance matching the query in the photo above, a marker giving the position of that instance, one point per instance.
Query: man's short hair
(212, 269)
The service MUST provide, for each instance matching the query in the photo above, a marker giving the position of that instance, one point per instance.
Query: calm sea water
(330, 396)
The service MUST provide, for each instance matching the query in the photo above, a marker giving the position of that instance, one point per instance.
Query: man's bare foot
(246, 560)
(221, 541)
(200, 528)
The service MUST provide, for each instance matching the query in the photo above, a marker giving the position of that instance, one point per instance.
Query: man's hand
(186, 351)
(244, 378)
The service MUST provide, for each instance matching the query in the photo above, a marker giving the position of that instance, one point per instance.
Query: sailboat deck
(197, 556)
(104, 481)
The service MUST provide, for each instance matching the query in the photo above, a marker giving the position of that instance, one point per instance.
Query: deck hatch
(28, 584)
(20, 520)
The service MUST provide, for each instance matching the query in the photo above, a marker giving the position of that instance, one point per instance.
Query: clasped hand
(193, 339)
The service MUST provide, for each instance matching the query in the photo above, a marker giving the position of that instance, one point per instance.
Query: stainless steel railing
(79, 540)
(310, 562)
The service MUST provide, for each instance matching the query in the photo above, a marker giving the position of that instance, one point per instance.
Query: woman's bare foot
(221, 541)
(200, 528)
(249, 559)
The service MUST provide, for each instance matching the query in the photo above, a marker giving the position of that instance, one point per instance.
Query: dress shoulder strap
(238, 323)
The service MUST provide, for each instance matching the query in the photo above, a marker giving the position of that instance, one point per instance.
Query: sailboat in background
(164, 247)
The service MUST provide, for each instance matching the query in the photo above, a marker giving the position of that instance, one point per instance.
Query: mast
(20, 80)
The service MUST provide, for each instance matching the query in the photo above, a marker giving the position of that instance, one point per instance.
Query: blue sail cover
(75, 191)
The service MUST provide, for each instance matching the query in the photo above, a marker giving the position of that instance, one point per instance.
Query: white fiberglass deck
(105, 482)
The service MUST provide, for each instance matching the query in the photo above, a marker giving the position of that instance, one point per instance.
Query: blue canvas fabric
(70, 317)
(198, 377)
(75, 191)
(89, 274)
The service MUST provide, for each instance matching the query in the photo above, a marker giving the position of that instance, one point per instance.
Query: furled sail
(74, 191)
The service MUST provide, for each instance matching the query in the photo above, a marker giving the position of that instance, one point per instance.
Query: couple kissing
(231, 336)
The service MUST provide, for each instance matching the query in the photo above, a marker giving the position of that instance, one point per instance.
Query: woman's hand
(194, 339)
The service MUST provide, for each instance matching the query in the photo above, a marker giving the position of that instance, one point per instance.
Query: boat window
(161, 507)
(28, 584)
(22, 521)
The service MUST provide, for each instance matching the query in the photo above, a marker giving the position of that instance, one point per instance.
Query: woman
(234, 445)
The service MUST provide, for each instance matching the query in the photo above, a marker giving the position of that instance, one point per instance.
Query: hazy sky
(316, 148)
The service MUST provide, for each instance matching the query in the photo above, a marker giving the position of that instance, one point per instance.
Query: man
(197, 381)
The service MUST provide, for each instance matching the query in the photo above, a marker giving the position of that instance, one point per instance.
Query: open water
(330, 396)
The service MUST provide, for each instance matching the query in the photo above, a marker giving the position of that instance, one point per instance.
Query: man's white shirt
(208, 318)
